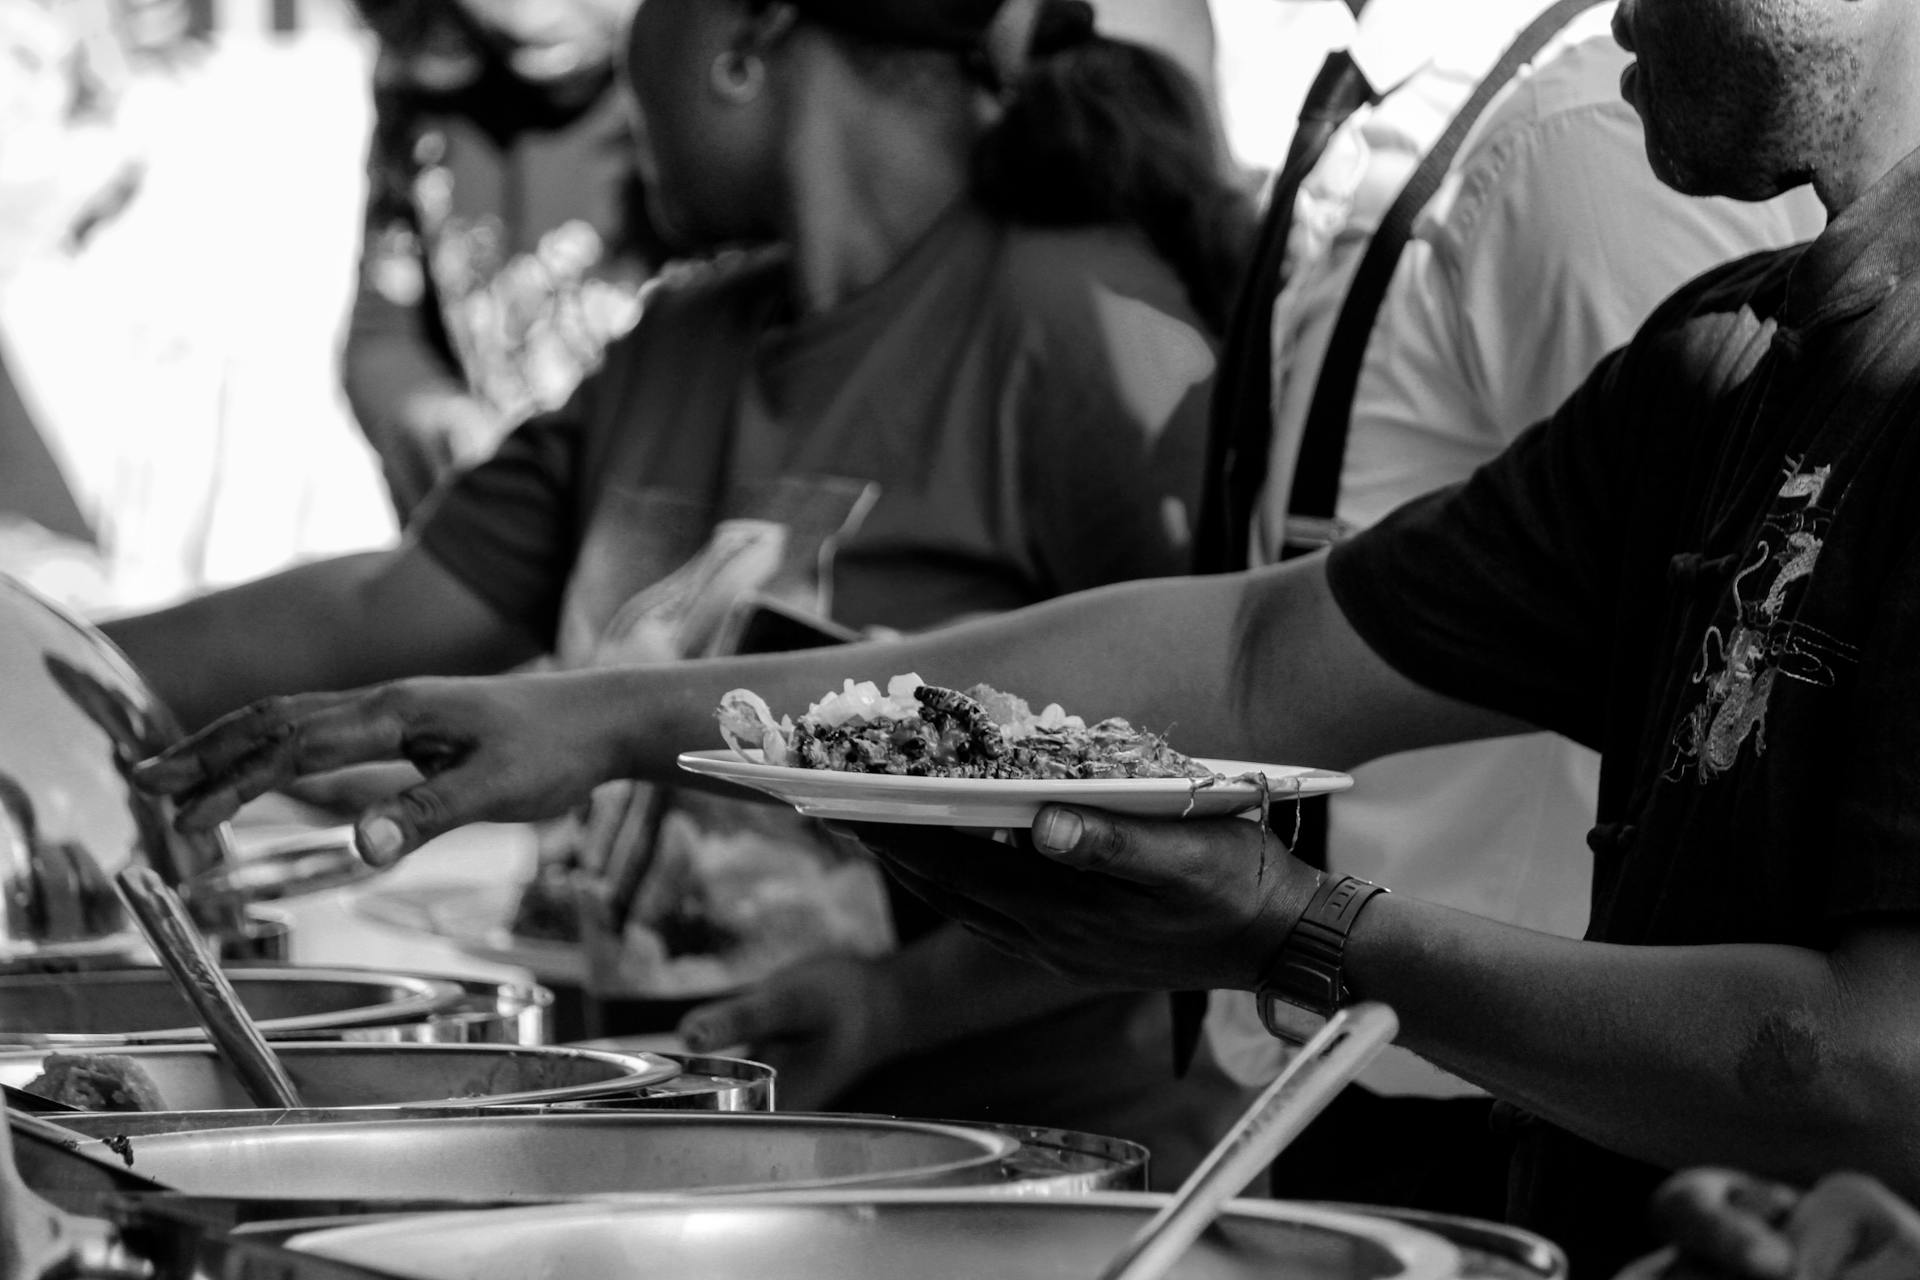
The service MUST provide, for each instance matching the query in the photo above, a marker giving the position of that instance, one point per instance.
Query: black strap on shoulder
(1323, 446)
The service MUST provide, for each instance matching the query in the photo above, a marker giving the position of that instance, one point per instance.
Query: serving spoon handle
(163, 918)
(1324, 1065)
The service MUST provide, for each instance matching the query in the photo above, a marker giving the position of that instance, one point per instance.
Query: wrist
(610, 720)
(1307, 973)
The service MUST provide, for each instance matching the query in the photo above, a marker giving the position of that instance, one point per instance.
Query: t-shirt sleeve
(1111, 401)
(509, 528)
(1496, 590)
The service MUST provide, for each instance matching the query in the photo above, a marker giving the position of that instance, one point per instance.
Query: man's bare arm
(1256, 666)
(1787, 1061)
(331, 624)
(1251, 666)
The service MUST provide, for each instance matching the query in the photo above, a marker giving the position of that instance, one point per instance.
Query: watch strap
(1307, 971)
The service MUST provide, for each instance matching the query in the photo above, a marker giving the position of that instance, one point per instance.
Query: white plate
(988, 802)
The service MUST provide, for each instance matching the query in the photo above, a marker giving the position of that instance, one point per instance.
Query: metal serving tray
(101, 1007)
(341, 1075)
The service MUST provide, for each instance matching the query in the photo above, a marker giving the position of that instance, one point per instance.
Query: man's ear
(740, 71)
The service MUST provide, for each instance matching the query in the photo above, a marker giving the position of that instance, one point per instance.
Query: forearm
(951, 984)
(1767, 1058)
(331, 624)
(1255, 666)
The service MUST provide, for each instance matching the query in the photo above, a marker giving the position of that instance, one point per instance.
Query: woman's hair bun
(1060, 25)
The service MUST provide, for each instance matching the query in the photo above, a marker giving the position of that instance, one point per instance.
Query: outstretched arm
(330, 624)
(1256, 666)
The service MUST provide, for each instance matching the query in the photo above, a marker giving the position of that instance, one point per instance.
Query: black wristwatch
(1305, 975)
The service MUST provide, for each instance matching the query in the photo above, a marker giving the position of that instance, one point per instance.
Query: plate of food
(925, 755)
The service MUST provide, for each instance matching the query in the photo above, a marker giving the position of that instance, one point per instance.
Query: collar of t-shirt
(1863, 253)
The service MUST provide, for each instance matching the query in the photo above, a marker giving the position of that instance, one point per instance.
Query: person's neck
(862, 192)
(1884, 128)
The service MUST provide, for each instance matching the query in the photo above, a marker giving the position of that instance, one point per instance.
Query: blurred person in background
(963, 367)
(64, 171)
(506, 240)
(1546, 243)
(176, 217)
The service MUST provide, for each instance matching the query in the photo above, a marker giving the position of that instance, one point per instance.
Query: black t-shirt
(1705, 566)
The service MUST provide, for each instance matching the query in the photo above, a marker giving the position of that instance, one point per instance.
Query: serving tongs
(1324, 1066)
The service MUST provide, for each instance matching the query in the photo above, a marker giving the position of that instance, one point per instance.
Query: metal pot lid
(74, 718)
(904, 1235)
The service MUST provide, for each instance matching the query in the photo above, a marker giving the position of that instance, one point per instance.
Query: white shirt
(1548, 243)
(1265, 56)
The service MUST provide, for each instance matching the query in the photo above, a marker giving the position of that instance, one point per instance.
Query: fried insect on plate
(923, 730)
(97, 1082)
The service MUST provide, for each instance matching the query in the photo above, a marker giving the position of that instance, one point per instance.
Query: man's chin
(1749, 186)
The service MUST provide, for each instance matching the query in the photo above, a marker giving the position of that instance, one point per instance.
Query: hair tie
(1060, 25)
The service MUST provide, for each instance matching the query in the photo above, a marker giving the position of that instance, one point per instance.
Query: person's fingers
(753, 1017)
(1002, 931)
(1143, 851)
(292, 744)
(395, 827)
(294, 738)
(1727, 1220)
(211, 752)
(963, 864)
(1850, 1227)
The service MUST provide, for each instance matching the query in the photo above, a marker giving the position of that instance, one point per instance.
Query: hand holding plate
(1112, 901)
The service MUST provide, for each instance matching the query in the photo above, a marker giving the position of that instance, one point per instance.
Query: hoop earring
(737, 75)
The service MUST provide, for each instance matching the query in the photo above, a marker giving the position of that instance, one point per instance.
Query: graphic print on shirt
(1741, 660)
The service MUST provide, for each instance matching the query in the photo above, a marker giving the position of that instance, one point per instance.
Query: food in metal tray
(97, 1082)
(921, 730)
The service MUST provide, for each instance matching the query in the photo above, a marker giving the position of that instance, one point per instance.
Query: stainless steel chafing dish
(108, 1006)
(914, 1235)
(492, 1159)
(705, 1083)
(192, 1077)
(103, 1007)
(353, 1163)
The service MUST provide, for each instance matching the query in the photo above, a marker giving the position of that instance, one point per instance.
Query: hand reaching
(820, 1024)
(502, 749)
